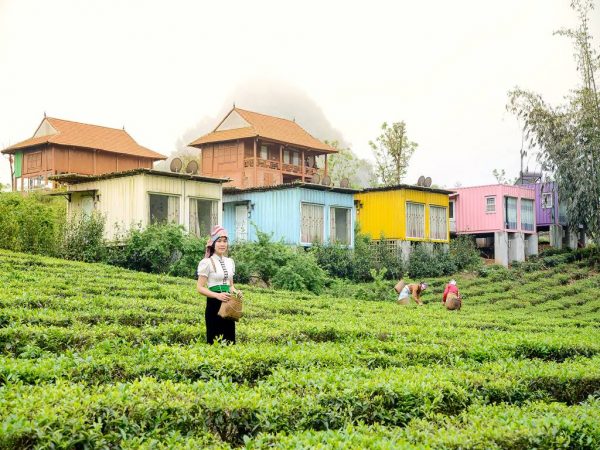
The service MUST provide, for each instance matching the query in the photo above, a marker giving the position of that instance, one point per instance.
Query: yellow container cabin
(404, 213)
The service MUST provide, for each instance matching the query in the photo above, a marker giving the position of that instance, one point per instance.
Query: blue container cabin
(296, 213)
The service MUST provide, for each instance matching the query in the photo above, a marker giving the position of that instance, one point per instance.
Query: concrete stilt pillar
(556, 236)
(571, 239)
(516, 247)
(531, 244)
(501, 248)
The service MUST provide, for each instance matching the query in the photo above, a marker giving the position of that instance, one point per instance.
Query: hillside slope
(96, 356)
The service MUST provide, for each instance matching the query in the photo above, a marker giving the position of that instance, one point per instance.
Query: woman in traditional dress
(215, 281)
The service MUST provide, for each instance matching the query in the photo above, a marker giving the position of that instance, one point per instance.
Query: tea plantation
(92, 356)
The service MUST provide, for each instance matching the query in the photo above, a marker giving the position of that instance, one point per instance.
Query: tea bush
(94, 356)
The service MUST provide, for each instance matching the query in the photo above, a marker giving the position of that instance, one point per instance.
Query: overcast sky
(163, 68)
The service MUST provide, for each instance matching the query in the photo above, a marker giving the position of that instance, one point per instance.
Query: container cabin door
(241, 223)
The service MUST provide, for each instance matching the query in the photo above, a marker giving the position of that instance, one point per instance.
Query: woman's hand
(222, 296)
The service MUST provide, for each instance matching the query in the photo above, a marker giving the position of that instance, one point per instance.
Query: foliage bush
(379, 290)
(335, 259)
(31, 222)
(161, 248)
(277, 264)
(464, 253)
(300, 273)
(357, 264)
(423, 263)
(83, 239)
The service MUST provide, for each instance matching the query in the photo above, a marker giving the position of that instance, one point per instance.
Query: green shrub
(83, 239)
(160, 248)
(424, 263)
(362, 258)
(261, 259)
(31, 222)
(335, 259)
(277, 264)
(379, 290)
(192, 251)
(464, 253)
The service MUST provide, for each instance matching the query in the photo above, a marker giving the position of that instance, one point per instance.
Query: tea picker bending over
(405, 291)
(215, 280)
(451, 298)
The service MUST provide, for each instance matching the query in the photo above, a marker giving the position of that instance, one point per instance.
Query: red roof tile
(88, 136)
(268, 127)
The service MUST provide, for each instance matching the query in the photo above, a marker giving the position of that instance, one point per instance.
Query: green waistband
(219, 288)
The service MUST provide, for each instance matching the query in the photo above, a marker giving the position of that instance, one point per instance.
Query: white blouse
(225, 269)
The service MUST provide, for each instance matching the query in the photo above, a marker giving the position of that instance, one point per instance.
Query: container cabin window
(490, 204)
(341, 227)
(203, 216)
(264, 152)
(312, 223)
(286, 157)
(510, 213)
(437, 223)
(296, 158)
(164, 209)
(527, 214)
(415, 220)
(547, 202)
(451, 210)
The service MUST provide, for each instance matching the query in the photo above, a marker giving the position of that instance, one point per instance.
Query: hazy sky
(161, 68)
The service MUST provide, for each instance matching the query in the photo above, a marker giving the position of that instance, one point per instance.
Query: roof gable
(84, 135)
(262, 125)
(233, 121)
(45, 129)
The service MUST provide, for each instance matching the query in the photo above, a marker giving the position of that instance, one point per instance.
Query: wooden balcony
(292, 169)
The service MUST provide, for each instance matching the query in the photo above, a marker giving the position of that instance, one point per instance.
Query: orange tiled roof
(88, 136)
(268, 127)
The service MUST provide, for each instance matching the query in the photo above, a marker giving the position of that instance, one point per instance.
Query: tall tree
(345, 164)
(568, 135)
(392, 150)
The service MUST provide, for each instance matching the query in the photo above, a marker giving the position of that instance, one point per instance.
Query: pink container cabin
(501, 217)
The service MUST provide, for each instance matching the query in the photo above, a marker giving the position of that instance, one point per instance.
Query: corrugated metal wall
(385, 212)
(277, 211)
(125, 201)
(470, 209)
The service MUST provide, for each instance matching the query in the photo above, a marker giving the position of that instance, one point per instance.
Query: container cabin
(403, 215)
(62, 146)
(551, 218)
(257, 150)
(299, 214)
(500, 216)
(140, 197)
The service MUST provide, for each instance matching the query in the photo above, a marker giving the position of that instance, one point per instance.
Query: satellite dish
(316, 178)
(421, 181)
(326, 180)
(344, 182)
(176, 165)
(192, 167)
(427, 182)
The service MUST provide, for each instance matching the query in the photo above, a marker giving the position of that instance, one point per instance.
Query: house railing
(275, 165)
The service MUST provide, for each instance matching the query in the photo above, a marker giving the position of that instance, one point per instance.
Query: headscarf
(452, 282)
(423, 286)
(216, 232)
